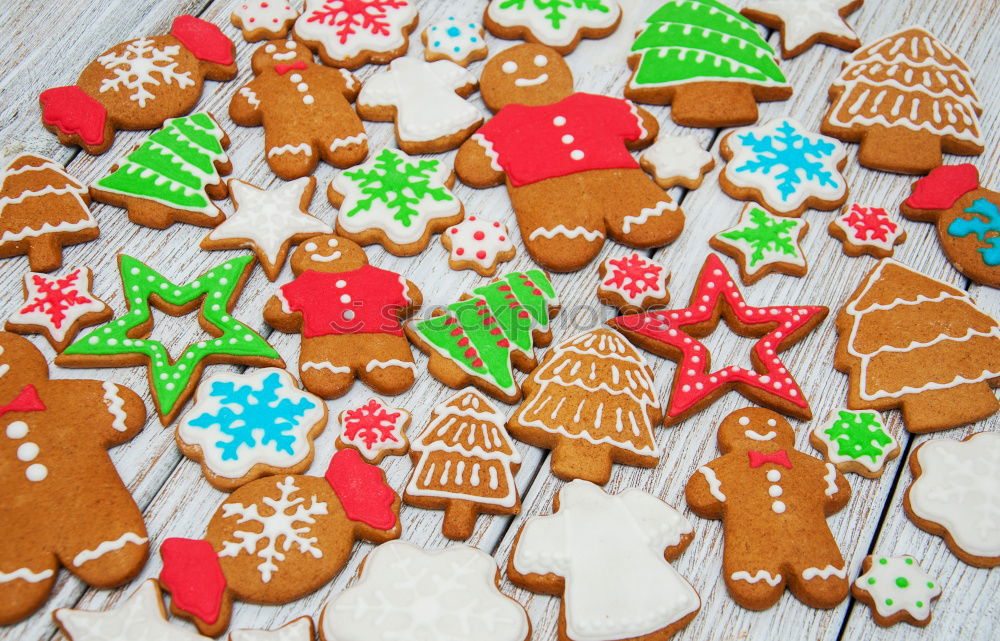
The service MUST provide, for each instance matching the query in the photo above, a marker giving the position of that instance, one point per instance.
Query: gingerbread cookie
(480, 339)
(565, 160)
(452, 39)
(804, 23)
(305, 109)
(58, 308)
(707, 62)
(349, 314)
(466, 432)
(478, 244)
(967, 217)
(350, 34)
(953, 495)
(762, 243)
(396, 201)
(278, 539)
(264, 19)
(784, 168)
(139, 84)
(855, 442)
(374, 430)
(301, 629)
(592, 402)
(674, 334)
(633, 283)
(774, 501)
(245, 426)
(916, 343)
(172, 176)
(677, 161)
(896, 589)
(558, 25)
(406, 592)
(55, 482)
(905, 98)
(125, 341)
(608, 557)
(426, 100)
(268, 221)
(867, 230)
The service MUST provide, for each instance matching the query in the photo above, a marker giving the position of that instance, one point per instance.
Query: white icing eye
(311, 247)
(509, 67)
(541, 61)
(291, 44)
(332, 242)
(270, 48)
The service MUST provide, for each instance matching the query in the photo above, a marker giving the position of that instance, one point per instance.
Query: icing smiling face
(328, 253)
(527, 74)
(755, 429)
(279, 52)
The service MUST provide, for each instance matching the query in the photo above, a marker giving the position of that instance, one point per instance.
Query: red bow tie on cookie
(283, 69)
(759, 458)
(26, 401)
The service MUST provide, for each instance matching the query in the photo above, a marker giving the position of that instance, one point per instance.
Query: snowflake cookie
(374, 430)
(478, 244)
(278, 539)
(350, 33)
(677, 161)
(867, 230)
(558, 24)
(301, 629)
(804, 23)
(855, 441)
(954, 495)
(896, 589)
(396, 201)
(632, 283)
(58, 308)
(462, 42)
(264, 19)
(762, 243)
(784, 168)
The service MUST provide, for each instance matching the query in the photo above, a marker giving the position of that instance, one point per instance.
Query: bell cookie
(462, 42)
(896, 589)
(374, 430)
(58, 308)
(478, 244)
(867, 230)
(264, 19)
(762, 243)
(350, 34)
(677, 161)
(855, 441)
(804, 23)
(633, 283)
(559, 25)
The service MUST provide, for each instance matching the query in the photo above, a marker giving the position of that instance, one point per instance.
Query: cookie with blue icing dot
(461, 41)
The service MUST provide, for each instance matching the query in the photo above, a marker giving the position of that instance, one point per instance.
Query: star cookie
(301, 629)
(633, 283)
(374, 430)
(478, 244)
(677, 161)
(58, 308)
(867, 230)
(856, 441)
(804, 23)
(896, 589)
(763, 243)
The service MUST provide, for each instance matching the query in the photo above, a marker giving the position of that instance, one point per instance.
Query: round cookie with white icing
(856, 441)
(462, 42)
(633, 283)
(58, 308)
(557, 25)
(896, 589)
(374, 430)
(677, 161)
(264, 19)
(867, 230)
(762, 243)
(350, 34)
(478, 244)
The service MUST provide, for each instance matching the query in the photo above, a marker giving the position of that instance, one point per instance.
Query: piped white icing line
(24, 574)
(677, 157)
(803, 19)
(392, 362)
(327, 365)
(645, 214)
(913, 595)
(72, 187)
(825, 573)
(757, 436)
(78, 282)
(301, 148)
(115, 405)
(108, 546)
(831, 480)
(714, 484)
(761, 575)
(489, 151)
(356, 139)
(536, 17)
(562, 230)
(328, 31)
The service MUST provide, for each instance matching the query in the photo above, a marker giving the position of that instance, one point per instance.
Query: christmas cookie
(762, 243)
(674, 334)
(374, 430)
(305, 109)
(464, 463)
(565, 160)
(42, 209)
(268, 221)
(409, 593)
(350, 34)
(264, 19)
(896, 589)
(480, 339)
(396, 201)
(139, 84)
(462, 42)
(245, 426)
(592, 402)
(426, 100)
(707, 62)
(916, 343)
(57, 480)
(278, 539)
(774, 501)
(954, 495)
(905, 98)
(608, 557)
(784, 168)
(867, 230)
(478, 244)
(560, 25)
(350, 317)
(855, 441)
(804, 23)
(172, 175)
(677, 161)
(633, 283)
(967, 217)
(125, 341)
(301, 629)
(58, 308)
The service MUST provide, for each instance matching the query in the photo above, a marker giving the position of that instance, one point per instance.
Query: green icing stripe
(698, 7)
(689, 16)
(537, 306)
(672, 65)
(505, 307)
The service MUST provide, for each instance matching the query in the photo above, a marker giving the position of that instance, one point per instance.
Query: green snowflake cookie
(898, 584)
(762, 242)
(850, 436)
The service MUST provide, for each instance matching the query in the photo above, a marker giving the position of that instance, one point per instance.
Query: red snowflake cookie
(867, 230)
(58, 308)
(374, 430)
(350, 33)
(633, 283)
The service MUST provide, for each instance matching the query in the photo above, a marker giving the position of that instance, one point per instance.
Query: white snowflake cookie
(560, 25)
(896, 589)
(350, 34)
(804, 23)
(374, 430)
(264, 19)
(461, 41)
(633, 283)
(677, 161)
(478, 244)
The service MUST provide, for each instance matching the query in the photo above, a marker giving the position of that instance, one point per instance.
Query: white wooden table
(47, 43)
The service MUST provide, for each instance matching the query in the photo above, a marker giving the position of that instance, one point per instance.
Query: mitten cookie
(350, 317)
(855, 442)
(264, 19)
(916, 343)
(804, 23)
(350, 34)
(452, 39)
(301, 629)
(608, 557)
(305, 109)
(896, 589)
(762, 243)
(774, 501)
(42, 209)
(55, 483)
(633, 283)
(677, 161)
(478, 244)
(139, 84)
(58, 308)
(560, 26)
(466, 432)
(867, 230)
(278, 539)
(374, 430)
(565, 160)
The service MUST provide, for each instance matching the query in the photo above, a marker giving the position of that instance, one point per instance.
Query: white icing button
(345, 299)
(774, 491)
(576, 154)
(778, 507)
(567, 139)
(340, 283)
(27, 451)
(773, 476)
(559, 121)
(307, 99)
(295, 78)
(744, 420)
(771, 421)
(349, 315)
(36, 472)
(17, 429)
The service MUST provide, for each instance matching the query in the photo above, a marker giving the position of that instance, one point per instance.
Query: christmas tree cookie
(763, 243)
(705, 60)
(560, 25)
(633, 283)
(804, 23)
(867, 230)
(855, 441)
(896, 589)
(58, 308)
(374, 430)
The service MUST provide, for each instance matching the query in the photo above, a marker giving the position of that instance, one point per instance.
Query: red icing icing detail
(55, 297)
(282, 69)
(74, 112)
(870, 223)
(362, 490)
(634, 275)
(26, 401)
(351, 17)
(778, 458)
(943, 186)
(192, 573)
(203, 39)
(372, 421)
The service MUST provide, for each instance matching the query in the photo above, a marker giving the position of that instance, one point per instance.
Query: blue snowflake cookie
(457, 40)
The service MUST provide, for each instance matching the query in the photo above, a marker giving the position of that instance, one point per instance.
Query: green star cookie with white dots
(855, 441)
(896, 589)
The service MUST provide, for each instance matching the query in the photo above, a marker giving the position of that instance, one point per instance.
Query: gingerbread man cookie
(58, 308)
(351, 33)
(478, 244)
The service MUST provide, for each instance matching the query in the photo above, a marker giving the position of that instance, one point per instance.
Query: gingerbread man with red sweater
(773, 501)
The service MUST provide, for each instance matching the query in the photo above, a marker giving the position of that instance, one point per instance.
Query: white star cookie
(677, 161)
(301, 629)
(803, 23)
